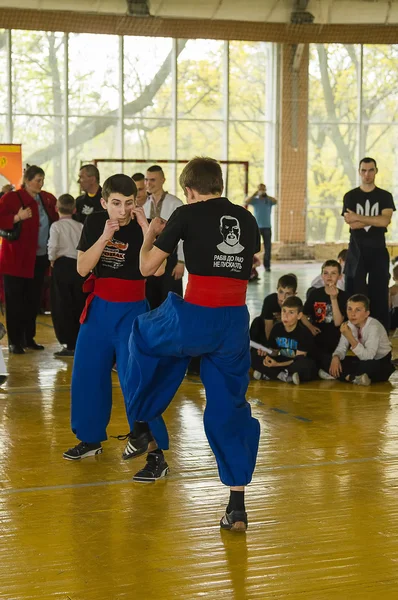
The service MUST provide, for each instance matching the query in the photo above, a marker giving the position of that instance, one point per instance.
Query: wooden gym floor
(323, 505)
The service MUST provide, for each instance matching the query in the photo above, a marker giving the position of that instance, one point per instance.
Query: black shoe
(236, 520)
(268, 269)
(16, 349)
(64, 352)
(136, 446)
(3, 379)
(156, 467)
(33, 346)
(82, 450)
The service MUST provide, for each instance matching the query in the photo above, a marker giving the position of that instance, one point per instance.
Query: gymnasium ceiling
(325, 12)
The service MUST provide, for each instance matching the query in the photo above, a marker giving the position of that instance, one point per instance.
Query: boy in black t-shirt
(292, 360)
(109, 248)
(261, 326)
(220, 239)
(368, 211)
(326, 309)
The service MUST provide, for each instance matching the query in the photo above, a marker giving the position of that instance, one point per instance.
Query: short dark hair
(119, 184)
(331, 263)
(342, 255)
(294, 302)
(367, 159)
(360, 298)
(66, 204)
(155, 169)
(138, 177)
(91, 171)
(31, 171)
(202, 174)
(288, 281)
(395, 270)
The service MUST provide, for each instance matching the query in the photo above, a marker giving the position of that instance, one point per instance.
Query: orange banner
(11, 163)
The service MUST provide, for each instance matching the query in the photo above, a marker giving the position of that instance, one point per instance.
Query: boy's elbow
(81, 270)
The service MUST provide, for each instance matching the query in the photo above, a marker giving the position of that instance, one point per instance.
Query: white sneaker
(296, 378)
(362, 380)
(325, 375)
(256, 375)
(284, 376)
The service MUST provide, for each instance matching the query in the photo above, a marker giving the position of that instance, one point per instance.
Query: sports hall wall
(329, 95)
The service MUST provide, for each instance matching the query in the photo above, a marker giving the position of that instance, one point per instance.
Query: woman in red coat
(24, 261)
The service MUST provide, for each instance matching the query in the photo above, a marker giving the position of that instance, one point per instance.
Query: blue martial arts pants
(161, 345)
(102, 337)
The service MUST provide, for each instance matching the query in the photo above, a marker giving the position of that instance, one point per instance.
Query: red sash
(112, 290)
(215, 292)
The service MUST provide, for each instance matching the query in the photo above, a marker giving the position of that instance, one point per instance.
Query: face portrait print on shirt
(230, 231)
(230, 246)
(114, 255)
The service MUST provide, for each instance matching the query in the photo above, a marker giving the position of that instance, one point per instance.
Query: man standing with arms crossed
(162, 204)
(368, 211)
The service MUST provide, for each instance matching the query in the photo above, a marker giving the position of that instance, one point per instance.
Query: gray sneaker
(296, 378)
(325, 375)
(362, 380)
(284, 376)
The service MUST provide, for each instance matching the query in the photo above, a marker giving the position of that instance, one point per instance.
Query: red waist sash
(215, 292)
(112, 289)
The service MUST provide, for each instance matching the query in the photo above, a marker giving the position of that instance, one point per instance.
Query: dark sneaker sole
(85, 455)
(140, 479)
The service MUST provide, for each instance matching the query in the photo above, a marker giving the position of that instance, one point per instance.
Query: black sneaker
(82, 450)
(32, 345)
(64, 352)
(136, 446)
(236, 520)
(156, 467)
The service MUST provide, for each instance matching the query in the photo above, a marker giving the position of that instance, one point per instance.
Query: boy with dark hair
(67, 297)
(109, 248)
(325, 307)
(368, 340)
(318, 281)
(212, 321)
(142, 196)
(271, 311)
(293, 348)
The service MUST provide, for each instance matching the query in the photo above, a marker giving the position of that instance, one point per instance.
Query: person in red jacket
(23, 262)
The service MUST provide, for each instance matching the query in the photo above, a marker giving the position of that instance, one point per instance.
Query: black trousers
(23, 297)
(67, 300)
(266, 233)
(157, 288)
(304, 366)
(367, 271)
(257, 331)
(377, 370)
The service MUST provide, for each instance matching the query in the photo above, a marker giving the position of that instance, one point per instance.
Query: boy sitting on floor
(261, 326)
(368, 340)
(293, 348)
(326, 309)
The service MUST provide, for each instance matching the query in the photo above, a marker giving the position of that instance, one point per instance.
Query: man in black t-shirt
(109, 248)
(219, 241)
(368, 211)
(90, 201)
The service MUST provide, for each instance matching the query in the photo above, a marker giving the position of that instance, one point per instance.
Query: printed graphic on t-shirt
(114, 255)
(368, 211)
(87, 210)
(323, 312)
(230, 246)
(287, 346)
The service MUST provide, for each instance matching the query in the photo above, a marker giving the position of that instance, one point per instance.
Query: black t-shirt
(120, 257)
(370, 204)
(87, 205)
(288, 342)
(220, 238)
(319, 308)
(271, 310)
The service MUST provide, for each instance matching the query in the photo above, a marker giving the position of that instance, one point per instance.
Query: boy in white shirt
(67, 297)
(368, 340)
